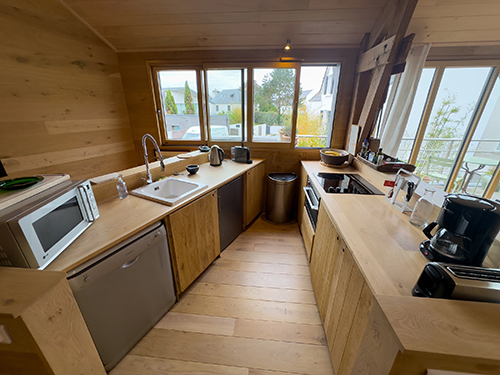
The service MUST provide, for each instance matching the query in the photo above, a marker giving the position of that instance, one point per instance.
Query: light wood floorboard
(252, 312)
(251, 292)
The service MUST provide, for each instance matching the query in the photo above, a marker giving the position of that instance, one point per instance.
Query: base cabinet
(194, 239)
(253, 193)
(359, 338)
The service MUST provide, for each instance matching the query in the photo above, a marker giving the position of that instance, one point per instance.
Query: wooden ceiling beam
(377, 56)
(397, 26)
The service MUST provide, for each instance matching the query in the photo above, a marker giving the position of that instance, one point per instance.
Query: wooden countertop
(122, 218)
(385, 247)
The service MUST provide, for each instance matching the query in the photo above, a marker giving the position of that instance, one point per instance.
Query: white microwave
(36, 230)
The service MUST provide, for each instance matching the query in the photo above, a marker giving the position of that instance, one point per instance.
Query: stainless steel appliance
(241, 154)
(467, 226)
(440, 280)
(124, 291)
(312, 202)
(230, 200)
(36, 230)
(346, 183)
(216, 155)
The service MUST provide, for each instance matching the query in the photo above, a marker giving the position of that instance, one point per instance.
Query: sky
(466, 83)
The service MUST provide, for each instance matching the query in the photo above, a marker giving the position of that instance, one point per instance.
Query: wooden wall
(62, 108)
(140, 103)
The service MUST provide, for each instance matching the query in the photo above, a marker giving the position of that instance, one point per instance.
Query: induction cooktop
(346, 183)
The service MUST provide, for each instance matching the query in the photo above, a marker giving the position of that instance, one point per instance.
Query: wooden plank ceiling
(149, 25)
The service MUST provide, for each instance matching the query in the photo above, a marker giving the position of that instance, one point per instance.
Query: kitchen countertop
(122, 218)
(385, 247)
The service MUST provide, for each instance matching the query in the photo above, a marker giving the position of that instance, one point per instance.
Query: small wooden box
(390, 165)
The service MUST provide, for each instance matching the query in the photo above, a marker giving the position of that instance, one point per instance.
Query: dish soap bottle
(422, 212)
(364, 149)
(122, 188)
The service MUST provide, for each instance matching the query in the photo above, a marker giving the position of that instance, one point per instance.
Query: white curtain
(400, 100)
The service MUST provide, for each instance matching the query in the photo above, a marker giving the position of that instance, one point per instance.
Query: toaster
(451, 281)
(241, 154)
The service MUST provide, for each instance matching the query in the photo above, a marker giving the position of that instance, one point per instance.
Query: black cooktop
(340, 183)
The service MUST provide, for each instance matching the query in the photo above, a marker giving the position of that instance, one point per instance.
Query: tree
(309, 123)
(276, 93)
(448, 122)
(235, 116)
(170, 106)
(188, 100)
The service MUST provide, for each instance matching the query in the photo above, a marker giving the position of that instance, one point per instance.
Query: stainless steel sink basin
(169, 190)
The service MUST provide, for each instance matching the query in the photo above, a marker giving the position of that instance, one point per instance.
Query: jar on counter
(422, 212)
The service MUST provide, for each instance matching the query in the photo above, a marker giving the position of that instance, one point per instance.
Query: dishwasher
(123, 292)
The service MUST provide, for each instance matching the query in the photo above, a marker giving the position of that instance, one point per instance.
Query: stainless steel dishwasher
(123, 292)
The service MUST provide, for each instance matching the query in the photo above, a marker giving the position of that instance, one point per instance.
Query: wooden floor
(252, 312)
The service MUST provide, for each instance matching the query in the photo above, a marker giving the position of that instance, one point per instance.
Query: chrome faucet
(146, 136)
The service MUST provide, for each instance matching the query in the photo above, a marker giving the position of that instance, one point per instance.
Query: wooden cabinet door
(302, 196)
(324, 257)
(194, 239)
(253, 193)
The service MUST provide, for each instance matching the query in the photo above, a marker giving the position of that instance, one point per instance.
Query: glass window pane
(273, 104)
(225, 104)
(483, 154)
(179, 100)
(417, 109)
(455, 102)
(318, 97)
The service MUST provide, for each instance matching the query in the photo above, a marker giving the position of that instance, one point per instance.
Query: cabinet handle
(130, 262)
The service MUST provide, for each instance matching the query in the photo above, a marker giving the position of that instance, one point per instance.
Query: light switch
(4, 336)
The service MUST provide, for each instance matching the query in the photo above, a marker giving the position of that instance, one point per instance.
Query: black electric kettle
(216, 155)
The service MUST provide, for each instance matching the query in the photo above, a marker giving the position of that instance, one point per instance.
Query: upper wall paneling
(61, 99)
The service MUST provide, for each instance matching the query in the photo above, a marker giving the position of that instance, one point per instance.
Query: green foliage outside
(310, 124)
(235, 116)
(188, 100)
(170, 106)
(269, 118)
(448, 122)
(276, 94)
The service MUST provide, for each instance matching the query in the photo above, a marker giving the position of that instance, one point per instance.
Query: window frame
(155, 69)
(155, 66)
(440, 67)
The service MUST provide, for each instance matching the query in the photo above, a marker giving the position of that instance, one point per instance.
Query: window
(314, 118)
(224, 91)
(417, 109)
(273, 97)
(210, 103)
(179, 103)
(451, 134)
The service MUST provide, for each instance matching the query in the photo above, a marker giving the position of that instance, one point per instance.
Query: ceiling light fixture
(287, 46)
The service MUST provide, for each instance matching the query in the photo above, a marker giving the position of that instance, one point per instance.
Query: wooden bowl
(334, 160)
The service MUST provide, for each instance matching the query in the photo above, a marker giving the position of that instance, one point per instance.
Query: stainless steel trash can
(280, 197)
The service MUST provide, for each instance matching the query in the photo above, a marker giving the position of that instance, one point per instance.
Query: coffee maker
(466, 228)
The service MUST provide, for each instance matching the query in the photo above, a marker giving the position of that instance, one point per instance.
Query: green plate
(19, 183)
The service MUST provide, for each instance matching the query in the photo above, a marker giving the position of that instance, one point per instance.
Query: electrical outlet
(4, 336)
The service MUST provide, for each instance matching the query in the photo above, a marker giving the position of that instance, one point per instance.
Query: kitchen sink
(169, 190)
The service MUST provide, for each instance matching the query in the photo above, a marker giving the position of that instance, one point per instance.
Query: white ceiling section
(153, 25)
